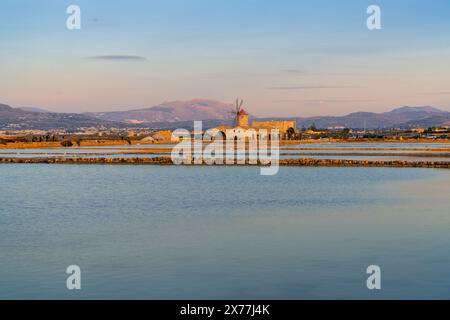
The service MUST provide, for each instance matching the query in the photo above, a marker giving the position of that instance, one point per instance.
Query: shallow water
(345, 152)
(370, 158)
(223, 232)
(372, 145)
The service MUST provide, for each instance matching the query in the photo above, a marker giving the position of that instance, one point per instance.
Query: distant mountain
(34, 109)
(175, 111)
(404, 117)
(168, 114)
(19, 119)
(416, 110)
(180, 114)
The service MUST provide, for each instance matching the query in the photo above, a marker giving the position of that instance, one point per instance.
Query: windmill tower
(240, 115)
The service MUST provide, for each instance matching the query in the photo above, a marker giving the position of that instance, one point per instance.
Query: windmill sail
(237, 111)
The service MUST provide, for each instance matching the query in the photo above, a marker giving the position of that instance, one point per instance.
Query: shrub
(66, 143)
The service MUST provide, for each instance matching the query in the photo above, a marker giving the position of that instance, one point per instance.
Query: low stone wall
(301, 162)
(155, 161)
(363, 163)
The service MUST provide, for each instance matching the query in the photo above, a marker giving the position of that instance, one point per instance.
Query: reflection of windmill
(238, 111)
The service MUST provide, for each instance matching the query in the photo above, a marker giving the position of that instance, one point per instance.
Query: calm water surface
(345, 151)
(223, 232)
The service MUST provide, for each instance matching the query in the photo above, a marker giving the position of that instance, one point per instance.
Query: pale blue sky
(284, 57)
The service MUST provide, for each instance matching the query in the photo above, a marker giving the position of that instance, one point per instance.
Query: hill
(403, 117)
(180, 114)
(16, 118)
(174, 111)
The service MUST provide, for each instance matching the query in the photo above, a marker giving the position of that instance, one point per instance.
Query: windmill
(237, 110)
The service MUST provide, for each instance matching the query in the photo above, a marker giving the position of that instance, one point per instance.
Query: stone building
(286, 129)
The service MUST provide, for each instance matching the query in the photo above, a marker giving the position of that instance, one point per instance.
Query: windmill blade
(237, 106)
(240, 105)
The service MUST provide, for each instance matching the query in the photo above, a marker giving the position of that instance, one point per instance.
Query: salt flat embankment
(299, 162)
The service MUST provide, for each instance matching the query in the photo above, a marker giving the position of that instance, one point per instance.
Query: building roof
(243, 113)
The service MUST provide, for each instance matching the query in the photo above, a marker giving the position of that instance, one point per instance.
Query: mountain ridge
(19, 119)
(169, 114)
(171, 111)
(402, 117)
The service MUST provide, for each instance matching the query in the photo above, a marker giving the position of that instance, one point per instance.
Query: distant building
(282, 126)
(148, 139)
(242, 119)
(286, 129)
(164, 136)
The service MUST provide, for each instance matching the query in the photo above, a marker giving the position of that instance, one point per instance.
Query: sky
(283, 57)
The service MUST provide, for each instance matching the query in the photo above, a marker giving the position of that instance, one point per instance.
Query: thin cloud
(118, 58)
(438, 93)
(308, 87)
(293, 71)
(327, 100)
(340, 49)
